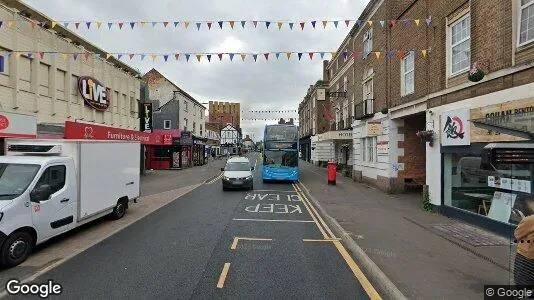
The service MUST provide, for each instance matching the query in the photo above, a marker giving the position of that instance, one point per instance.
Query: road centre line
(325, 240)
(311, 214)
(275, 220)
(315, 211)
(236, 240)
(224, 273)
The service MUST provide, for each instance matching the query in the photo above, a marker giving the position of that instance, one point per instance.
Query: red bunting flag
(41, 55)
(392, 23)
(165, 24)
(355, 55)
(347, 22)
(209, 25)
(302, 25)
(87, 55)
(77, 25)
(311, 55)
(266, 56)
(400, 53)
(131, 56)
(220, 56)
(120, 25)
(177, 56)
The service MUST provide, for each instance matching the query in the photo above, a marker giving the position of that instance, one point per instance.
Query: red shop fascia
(85, 131)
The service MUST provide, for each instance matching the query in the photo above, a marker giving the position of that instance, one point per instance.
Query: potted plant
(477, 72)
(426, 136)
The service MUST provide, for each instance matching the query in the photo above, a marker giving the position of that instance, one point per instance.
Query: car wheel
(16, 248)
(119, 210)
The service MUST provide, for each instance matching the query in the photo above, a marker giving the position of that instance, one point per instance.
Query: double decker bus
(280, 153)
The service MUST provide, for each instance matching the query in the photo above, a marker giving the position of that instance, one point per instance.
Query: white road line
(271, 220)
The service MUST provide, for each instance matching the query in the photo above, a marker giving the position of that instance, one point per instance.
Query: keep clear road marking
(236, 240)
(224, 273)
(371, 291)
(271, 220)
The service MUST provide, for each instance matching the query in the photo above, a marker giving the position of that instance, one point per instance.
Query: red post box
(332, 168)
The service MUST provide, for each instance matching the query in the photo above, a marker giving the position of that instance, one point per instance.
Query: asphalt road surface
(212, 244)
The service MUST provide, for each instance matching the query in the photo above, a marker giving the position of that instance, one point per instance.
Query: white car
(238, 174)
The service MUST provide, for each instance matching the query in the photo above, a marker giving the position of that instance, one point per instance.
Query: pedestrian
(524, 258)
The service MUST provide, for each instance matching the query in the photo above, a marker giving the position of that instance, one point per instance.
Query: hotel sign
(94, 93)
(335, 135)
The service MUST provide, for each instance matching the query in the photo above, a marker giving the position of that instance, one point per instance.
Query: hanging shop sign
(455, 129)
(146, 117)
(94, 93)
(516, 112)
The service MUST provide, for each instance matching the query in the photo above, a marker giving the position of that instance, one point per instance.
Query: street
(265, 243)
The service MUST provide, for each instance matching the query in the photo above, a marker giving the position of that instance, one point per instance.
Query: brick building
(312, 118)
(426, 86)
(225, 113)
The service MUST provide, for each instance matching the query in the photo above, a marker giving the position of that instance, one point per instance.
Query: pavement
(207, 243)
(399, 245)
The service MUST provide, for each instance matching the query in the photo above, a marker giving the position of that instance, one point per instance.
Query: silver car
(238, 174)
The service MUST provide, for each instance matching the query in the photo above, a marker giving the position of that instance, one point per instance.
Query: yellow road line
(325, 240)
(311, 214)
(315, 211)
(236, 240)
(371, 291)
(224, 273)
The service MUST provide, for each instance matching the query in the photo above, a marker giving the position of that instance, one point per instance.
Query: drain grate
(470, 235)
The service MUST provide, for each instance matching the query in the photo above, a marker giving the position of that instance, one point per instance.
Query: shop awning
(519, 124)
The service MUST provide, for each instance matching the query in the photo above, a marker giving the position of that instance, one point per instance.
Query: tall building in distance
(225, 113)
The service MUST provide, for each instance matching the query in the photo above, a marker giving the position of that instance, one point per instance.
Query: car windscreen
(237, 166)
(15, 179)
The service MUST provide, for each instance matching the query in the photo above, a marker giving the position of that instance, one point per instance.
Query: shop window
(167, 124)
(369, 149)
(502, 192)
(526, 23)
(460, 45)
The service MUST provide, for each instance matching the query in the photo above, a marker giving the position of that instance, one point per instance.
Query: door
(56, 214)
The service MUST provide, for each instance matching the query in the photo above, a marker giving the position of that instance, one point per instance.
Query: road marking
(373, 294)
(236, 240)
(311, 214)
(293, 191)
(371, 291)
(305, 199)
(224, 273)
(325, 240)
(215, 179)
(271, 220)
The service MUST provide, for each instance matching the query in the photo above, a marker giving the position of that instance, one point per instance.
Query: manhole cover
(470, 235)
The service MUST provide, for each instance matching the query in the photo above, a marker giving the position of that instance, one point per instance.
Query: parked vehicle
(48, 187)
(238, 174)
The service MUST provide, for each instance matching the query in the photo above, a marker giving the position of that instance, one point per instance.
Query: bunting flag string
(356, 56)
(75, 24)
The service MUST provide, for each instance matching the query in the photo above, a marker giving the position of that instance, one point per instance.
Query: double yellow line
(215, 179)
(330, 237)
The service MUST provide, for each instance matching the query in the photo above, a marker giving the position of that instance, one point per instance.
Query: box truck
(48, 187)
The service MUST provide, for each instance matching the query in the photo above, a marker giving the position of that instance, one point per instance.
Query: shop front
(305, 148)
(164, 157)
(487, 160)
(335, 146)
(16, 126)
(199, 151)
(186, 149)
(153, 142)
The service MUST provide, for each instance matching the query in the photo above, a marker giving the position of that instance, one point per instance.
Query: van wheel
(119, 210)
(16, 248)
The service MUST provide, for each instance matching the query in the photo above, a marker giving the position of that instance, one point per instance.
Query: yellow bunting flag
(17, 54)
(232, 24)
(243, 56)
(186, 24)
(417, 21)
(280, 25)
(333, 54)
(424, 52)
(143, 23)
(54, 24)
(9, 24)
(98, 24)
(288, 55)
(108, 55)
(370, 22)
(377, 54)
(64, 55)
(324, 24)
(198, 57)
(154, 56)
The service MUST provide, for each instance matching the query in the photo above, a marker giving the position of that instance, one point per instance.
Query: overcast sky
(261, 85)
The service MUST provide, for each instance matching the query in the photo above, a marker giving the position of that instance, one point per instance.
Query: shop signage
(516, 112)
(335, 135)
(382, 147)
(374, 128)
(455, 130)
(94, 93)
(76, 130)
(17, 125)
(146, 117)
